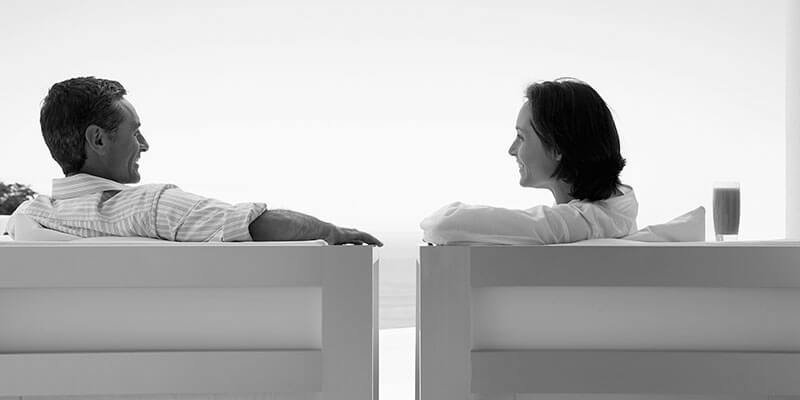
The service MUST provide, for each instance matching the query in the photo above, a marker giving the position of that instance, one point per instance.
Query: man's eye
(519, 138)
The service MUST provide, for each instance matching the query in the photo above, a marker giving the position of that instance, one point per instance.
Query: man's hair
(571, 118)
(69, 108)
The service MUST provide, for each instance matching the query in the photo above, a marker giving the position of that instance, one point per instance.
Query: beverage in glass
(727, 204)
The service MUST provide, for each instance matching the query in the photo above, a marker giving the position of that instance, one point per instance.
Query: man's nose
(143, 146)
(512, 151)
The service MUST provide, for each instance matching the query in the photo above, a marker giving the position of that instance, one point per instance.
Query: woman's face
(536, 164)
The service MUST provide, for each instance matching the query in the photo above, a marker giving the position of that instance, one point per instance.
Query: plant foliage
(11, 196)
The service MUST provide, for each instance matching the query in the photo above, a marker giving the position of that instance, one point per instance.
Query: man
(93, 133)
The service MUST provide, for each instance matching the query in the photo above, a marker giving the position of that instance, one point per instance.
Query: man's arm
(287, 225)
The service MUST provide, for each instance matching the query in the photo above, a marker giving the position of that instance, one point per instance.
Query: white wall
(793, 120)
(373, 114)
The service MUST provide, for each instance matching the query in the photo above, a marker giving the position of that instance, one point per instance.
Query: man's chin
(134, 178)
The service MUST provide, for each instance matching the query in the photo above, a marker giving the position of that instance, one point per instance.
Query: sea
(397, 278)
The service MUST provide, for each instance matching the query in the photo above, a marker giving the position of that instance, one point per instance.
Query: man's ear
(96, 139)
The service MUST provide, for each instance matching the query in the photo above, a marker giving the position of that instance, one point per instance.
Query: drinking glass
(727, 204)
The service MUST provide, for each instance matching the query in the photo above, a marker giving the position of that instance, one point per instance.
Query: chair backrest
(343, 367)
(456, 283)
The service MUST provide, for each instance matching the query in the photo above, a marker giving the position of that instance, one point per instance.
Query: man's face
(121, 159)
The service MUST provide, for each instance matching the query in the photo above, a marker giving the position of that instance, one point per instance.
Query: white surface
(22, 227)
(738, 243)
(671, 319)
(689, 227)
(397, 348)
(667, 318)
(396, 377)
(106, 284)
(56, 320)
(793, 119)
(635, 318)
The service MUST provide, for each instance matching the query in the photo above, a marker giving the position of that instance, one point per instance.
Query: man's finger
(354, 236)
(358, 237)
(369, 239)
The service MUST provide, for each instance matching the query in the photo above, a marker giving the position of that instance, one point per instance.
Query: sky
(373, 114)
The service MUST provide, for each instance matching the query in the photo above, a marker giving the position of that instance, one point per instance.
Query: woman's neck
(561, 191)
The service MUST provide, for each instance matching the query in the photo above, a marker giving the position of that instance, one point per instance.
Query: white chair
(146, 318)
(541, 322)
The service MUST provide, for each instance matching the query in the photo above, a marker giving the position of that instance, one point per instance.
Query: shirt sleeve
(462, 223)
(185, 217)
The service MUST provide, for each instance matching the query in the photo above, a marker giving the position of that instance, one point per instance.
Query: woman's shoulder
(622, 191)
(612, 217)
(626, 198)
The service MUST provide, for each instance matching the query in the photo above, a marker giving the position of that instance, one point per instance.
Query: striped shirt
(89, 206)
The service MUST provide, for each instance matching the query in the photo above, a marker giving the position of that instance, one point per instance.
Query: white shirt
(563, 223)
(89, 206)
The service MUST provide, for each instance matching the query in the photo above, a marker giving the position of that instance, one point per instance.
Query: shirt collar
(82, 185)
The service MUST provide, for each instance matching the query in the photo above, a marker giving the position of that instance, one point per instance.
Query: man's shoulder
(153, 186)
(158, 192)
(148, 188)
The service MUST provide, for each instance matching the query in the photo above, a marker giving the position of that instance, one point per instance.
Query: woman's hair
(570, 118)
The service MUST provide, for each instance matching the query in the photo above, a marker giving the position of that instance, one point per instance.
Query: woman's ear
(95, 139)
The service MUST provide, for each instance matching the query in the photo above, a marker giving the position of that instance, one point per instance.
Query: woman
(567, 143)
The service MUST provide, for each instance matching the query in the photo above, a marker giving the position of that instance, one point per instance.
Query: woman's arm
(462, 223)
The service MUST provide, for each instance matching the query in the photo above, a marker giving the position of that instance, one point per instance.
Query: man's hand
(340, 235)
(287, 225)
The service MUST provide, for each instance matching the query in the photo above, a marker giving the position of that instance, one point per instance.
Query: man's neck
(89, 170)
